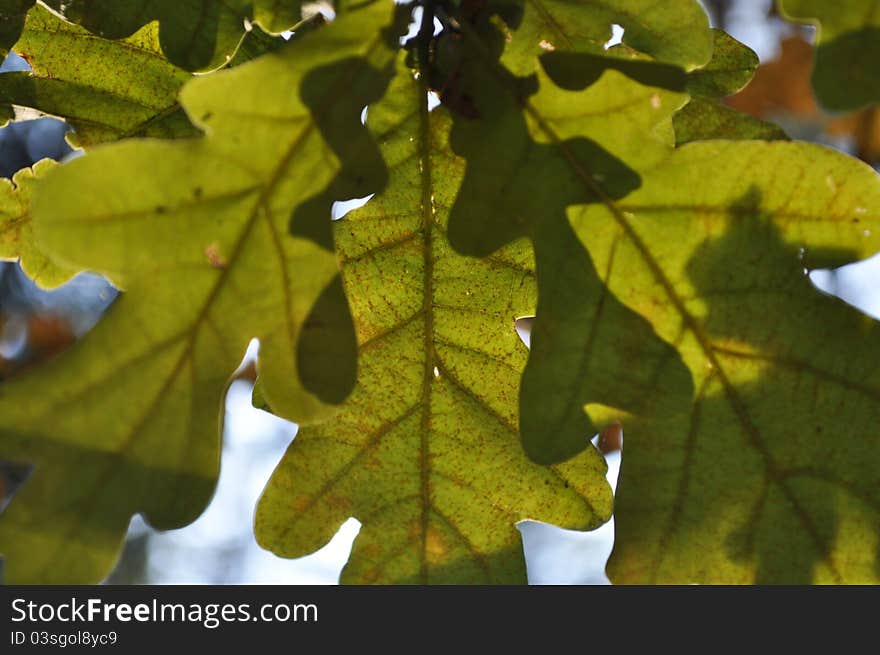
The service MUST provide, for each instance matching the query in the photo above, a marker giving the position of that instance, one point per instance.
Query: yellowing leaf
(215, 240)
(425, 452)
(16, 228)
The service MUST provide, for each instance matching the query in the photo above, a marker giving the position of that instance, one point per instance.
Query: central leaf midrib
(427, 216)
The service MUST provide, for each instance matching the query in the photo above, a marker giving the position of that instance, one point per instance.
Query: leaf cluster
(519, 164)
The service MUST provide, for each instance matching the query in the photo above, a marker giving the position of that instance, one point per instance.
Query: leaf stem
(425, 36)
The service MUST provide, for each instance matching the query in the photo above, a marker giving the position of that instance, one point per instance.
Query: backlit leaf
(12, 16)
(732, 67)
(16, 228)
(847, 70)
(195, 34)
(692, 310)
(704, 117)
(674, 31)
(214, 240)
(106, 90)
(669, 284)
(425, 453)
(782, 91)
(712, 250)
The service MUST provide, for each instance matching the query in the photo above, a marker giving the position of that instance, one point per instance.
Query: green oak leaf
(214, 240)
(731, 68)
(528, 158)
(425, 451)
(16, 228)
(846, 74)
(574, 71)
(674, 31)
(767, 472)
(106, 90)
(195, 34)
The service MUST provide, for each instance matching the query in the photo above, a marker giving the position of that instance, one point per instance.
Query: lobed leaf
(16, 228)
(674, 31)
(425, 451)
(683, 300)
(730, 69)
(670, 290)
(527, 160)
(214, 240)
(704, 119)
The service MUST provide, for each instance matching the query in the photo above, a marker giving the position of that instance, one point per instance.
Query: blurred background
(219, 548)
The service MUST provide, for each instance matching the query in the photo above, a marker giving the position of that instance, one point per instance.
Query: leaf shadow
(516, 187)
(327, 345)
